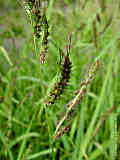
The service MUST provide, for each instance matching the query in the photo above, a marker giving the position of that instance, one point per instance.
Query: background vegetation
(26, 128)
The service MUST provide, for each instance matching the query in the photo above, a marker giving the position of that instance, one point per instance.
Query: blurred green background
(26, 127)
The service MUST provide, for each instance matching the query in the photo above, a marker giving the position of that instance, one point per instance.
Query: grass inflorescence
(40, 26)
(65, 70)
(79, 95)
(83, 117)
(44, 48)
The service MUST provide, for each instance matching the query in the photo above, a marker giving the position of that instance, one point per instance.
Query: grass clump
(29, 129)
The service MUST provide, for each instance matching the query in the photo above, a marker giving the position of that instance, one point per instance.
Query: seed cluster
(45, 28)
(33, 11)
(40, 25)
(37, 23)
(62, 131)
(63, 82)
(30, 3)
(79, 95)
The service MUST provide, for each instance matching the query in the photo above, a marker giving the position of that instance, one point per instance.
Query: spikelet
(30, 3)
(40, 26)
(60, 86)
(37, 22)
(79, 95)
(28, 6)
(63, 80)
(44, 48)
(62, 131)
(33, 11)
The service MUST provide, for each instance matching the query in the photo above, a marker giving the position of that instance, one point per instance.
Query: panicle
(79, 95)
(40, 26)
(64, 79)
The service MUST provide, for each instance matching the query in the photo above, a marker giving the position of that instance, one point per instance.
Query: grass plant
(79, 76)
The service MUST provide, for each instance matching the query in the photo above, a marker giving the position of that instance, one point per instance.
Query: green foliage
(27, 126)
